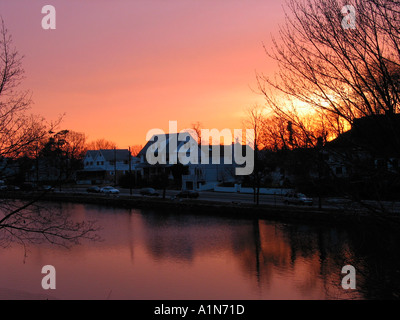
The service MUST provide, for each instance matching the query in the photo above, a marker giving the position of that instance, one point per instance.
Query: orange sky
(120, 68)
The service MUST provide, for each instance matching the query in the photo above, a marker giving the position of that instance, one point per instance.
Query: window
(97, 162)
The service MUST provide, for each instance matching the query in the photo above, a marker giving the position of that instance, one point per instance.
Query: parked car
(46, 188)
(10, 188)
(188, 194)
(149, 192)
(93, 189)
(297, 198)
(109, 190)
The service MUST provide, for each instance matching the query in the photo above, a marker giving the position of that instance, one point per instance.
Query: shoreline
(296, 214)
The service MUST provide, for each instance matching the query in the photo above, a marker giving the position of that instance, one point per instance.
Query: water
(157, 255)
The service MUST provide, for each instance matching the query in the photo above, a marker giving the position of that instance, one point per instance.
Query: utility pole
(115, 167)
(319, 155)
(37, 163)
(130, 171)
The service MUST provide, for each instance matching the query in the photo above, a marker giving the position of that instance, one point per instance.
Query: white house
(106, 165)
(198, 175)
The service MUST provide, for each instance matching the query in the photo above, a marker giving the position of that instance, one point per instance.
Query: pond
(147, 254)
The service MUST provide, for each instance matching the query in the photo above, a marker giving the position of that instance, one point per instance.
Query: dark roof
(111, 154)
(92, 153)
(379, 135)
(168, 138)
(115, 154)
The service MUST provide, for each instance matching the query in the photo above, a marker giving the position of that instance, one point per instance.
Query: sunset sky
(118, 68)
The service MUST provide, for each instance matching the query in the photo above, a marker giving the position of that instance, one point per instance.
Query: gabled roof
(91, 153)
(245, 149)
(110, 154)
(115, 154)
(168, 138)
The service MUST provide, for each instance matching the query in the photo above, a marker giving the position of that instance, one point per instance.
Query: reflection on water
(164, 255)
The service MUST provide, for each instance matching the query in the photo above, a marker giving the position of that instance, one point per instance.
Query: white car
(109, 190)
(297, 198)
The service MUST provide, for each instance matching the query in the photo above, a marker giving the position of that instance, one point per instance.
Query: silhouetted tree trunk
(255, 121)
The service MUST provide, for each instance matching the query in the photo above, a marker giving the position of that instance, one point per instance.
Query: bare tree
(292, 130)
(100, 144)
(136, 149)
(342, 73)
(336, 72)
(33, 222)
(255, 120)
(63, 152)
(196, 126)
(22, 134)
(17, 129)
(76, 145)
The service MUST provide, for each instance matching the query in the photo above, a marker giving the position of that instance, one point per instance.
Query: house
(204, 176)
(46, 170)
(373, 143)
(193, 174)
(364, 160)
(165, 168)
(105, 166)
(9, 168)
